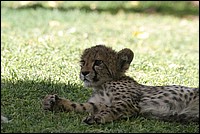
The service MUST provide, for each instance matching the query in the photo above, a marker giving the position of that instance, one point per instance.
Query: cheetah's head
(100, 64)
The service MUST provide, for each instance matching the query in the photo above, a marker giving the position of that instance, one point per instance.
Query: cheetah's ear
(124, 57)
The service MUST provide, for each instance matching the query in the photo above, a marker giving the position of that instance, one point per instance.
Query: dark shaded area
(27, 93)
(24, 98)
(176, 8)
(31, 89)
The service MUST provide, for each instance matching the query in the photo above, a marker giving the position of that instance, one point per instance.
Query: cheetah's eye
(98, 62)
(82, 63)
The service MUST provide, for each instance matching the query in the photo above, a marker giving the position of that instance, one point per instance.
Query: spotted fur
(116, 95)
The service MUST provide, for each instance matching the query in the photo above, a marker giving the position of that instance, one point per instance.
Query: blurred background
(178, 8)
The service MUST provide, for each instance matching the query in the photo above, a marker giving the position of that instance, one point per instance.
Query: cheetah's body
(117, 95)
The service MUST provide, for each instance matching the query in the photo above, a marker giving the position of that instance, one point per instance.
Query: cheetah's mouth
(85, 80)
(90, 81)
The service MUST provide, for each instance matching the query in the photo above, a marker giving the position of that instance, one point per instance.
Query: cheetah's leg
(109, 114)
(54, 103)
(106, 115)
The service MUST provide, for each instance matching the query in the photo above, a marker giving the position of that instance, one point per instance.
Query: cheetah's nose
(85, 73)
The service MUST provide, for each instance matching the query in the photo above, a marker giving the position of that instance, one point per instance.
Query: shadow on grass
(21, 102)
(176, 8)
(33, 90)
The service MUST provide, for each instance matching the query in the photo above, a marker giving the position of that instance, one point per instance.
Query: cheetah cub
(116, 95)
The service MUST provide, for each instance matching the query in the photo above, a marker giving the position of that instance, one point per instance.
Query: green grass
(40, 50)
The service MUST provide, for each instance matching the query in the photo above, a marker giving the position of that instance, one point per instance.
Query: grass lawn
(41, 46)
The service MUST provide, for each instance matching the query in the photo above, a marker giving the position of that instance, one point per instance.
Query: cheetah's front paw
(49, 102)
